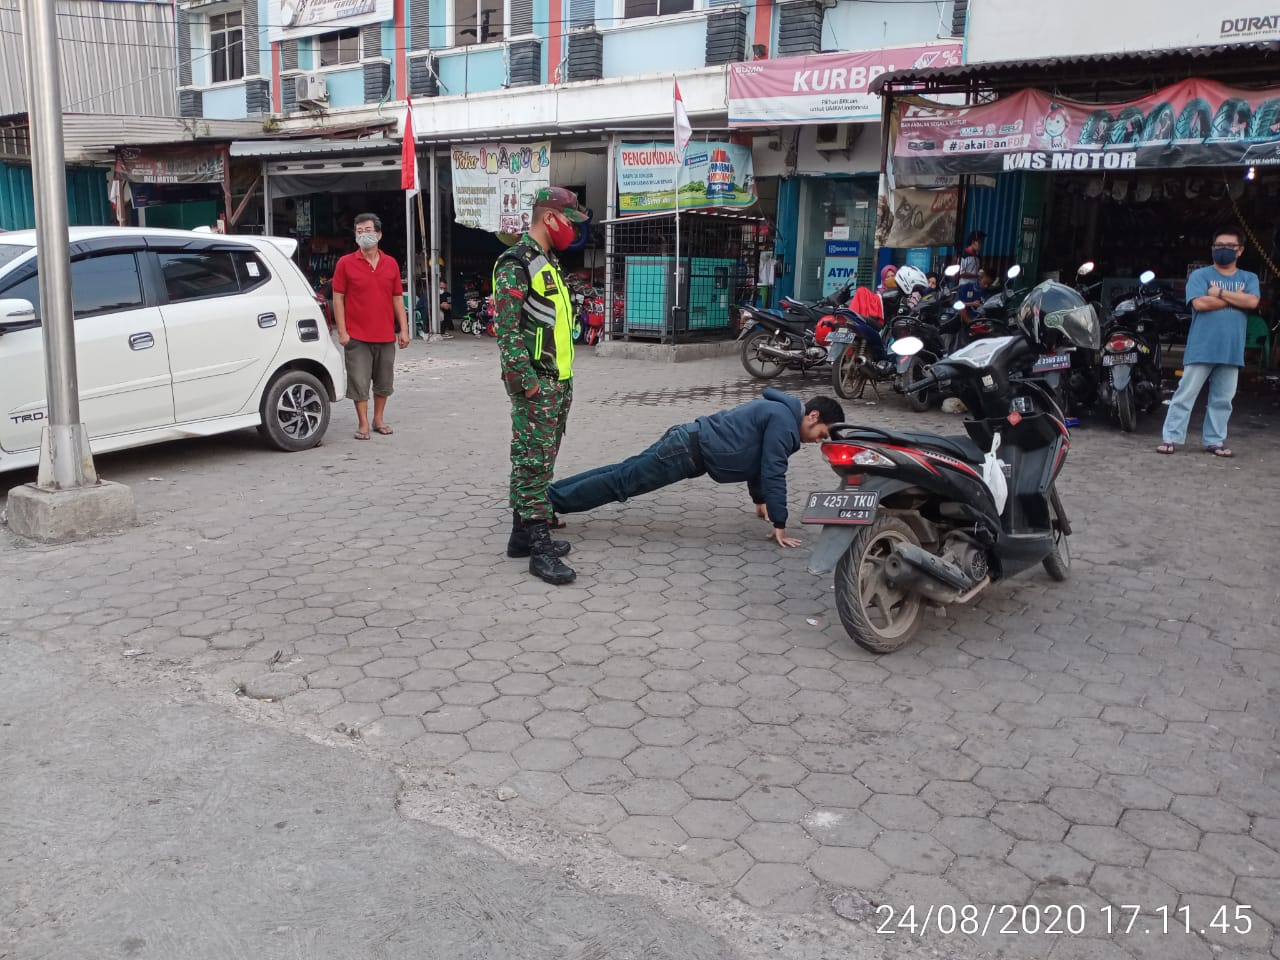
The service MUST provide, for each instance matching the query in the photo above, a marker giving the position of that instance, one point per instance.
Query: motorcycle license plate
(841, 336)
(841, 507)
(1052, 361)
(833, 350)
(1119, 359)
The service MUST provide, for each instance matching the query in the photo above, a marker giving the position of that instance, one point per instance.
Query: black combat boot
(543, 563)
(518, 543)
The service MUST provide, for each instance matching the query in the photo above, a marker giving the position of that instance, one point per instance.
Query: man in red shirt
(368, 306)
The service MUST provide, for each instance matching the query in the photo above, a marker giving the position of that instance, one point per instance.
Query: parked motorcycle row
(588, 311)
(919, 520)
(1122, 377)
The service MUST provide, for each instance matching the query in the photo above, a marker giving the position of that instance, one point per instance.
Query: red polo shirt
(371, 293)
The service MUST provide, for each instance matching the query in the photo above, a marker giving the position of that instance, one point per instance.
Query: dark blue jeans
(673, 458)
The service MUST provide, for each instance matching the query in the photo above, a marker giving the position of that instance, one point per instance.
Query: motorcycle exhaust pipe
(773, 353)
(916, 570)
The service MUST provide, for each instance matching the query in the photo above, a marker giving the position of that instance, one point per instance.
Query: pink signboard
(825, 87)
(1194, 123)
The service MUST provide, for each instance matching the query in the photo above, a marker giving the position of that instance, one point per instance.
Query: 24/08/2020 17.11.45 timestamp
(1072, 920)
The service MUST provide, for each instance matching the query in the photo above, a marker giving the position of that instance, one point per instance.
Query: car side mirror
(16, 314)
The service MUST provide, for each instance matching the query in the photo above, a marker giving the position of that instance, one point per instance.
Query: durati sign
(1264, 27)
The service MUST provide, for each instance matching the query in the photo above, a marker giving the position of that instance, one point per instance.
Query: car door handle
(266, 320)
(141, 341)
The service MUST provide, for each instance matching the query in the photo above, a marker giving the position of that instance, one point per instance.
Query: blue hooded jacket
(752, 443)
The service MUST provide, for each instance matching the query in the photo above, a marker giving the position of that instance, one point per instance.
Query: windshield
(10, 252)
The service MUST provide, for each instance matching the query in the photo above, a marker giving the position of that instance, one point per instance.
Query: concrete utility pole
(67, 501)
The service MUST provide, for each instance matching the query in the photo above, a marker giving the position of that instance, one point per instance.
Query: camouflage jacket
(528, 326)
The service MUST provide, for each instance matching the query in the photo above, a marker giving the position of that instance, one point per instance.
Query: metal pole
(268, 221)
(611, 210)
(433, 178)
(65, 460)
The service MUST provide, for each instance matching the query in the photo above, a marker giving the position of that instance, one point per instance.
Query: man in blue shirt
(748, 444)
(1219, 297)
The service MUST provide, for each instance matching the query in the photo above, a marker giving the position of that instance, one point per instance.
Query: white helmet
(911, 279)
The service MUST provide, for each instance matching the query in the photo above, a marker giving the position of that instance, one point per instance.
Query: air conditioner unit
(831, 136)
(311, 88)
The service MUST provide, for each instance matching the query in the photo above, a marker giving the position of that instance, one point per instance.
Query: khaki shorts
(369, 362)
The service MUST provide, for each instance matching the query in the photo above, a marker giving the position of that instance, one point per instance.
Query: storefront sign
(1195, 123)
(714, 175)
(923, 218)
(1259, 26)
(824, 88)
(843, 248)
(838, 271)
(290, 19)
(494, 184)
(172, 165)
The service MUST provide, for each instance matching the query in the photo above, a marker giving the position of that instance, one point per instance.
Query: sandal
(1165, 448)
(1220, 450)
(383, 429)
(362, 434)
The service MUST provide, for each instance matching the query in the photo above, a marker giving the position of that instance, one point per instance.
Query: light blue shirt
(1217, 336)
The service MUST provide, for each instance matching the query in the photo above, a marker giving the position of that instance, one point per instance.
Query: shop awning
(1239, 63)
(285, 149)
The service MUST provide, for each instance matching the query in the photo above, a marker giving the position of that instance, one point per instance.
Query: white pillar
(433, 179)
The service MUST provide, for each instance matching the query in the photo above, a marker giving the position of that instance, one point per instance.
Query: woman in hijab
(888, 283)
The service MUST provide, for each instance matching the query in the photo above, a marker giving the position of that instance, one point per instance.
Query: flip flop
(1165, 448)
(1221, 451)
(383, 429)
(362, 434)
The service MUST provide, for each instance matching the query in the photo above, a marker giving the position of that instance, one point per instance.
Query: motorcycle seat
(960, 447)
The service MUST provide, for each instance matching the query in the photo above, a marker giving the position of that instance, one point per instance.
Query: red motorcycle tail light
(1120, 343)
(841, 454)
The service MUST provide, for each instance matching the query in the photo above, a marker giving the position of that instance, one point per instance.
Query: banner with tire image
(1194, 123)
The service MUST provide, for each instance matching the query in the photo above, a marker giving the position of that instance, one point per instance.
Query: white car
(178, 334)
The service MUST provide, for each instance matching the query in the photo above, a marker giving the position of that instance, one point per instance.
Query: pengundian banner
(494, 184)
(714, 175)
(1194, 123)
(825, 87)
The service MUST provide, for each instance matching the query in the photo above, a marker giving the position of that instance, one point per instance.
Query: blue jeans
(1222, 387)
(673, 458)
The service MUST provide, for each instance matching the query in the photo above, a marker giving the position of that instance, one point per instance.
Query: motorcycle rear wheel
(1126, 410)
(1058, 563)
(861, 588)
(762, 368)
(847, 378)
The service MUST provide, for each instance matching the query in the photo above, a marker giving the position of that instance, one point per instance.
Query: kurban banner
(170, 164)
(824, 88)
(494, 184)
(714, 175)
(1194, 123)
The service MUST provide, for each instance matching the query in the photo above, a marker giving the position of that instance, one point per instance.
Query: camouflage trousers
(537, 427)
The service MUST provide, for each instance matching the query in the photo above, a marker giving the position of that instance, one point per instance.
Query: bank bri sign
(1195, 123)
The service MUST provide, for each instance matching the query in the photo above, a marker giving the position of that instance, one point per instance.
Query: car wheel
(295, 411)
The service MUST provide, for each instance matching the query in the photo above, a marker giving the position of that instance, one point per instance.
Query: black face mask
(1224, 256)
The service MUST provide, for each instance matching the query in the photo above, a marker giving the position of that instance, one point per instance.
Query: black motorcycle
(921, 519)
(785, 339)
(1131, 379)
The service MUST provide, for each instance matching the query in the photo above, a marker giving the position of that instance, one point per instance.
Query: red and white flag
(409, 180)
(683, 130)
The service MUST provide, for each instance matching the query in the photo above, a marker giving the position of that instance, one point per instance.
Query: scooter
(921, 519)
(1131, 355)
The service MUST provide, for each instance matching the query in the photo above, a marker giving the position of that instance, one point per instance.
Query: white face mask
(366, 241)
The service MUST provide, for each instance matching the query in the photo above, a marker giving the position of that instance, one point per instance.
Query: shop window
(198, 276)
(479, 21)
(226, 46)
(337, 49)
(633, 9)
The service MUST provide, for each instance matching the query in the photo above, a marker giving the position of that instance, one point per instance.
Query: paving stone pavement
(692, 699)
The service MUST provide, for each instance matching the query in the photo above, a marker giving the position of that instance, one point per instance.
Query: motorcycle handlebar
(919, 385)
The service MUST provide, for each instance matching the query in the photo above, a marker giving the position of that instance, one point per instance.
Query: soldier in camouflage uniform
(534, 318)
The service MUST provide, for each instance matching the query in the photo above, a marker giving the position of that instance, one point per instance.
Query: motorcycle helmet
(911, 279)
(1054, 315)
(823, 331)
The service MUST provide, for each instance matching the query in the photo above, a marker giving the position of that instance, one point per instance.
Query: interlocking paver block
(597, 775)
(856, 869)
(653, 798)
(1107, 845)
(912, 851)
(777, 843)
(712, 819)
